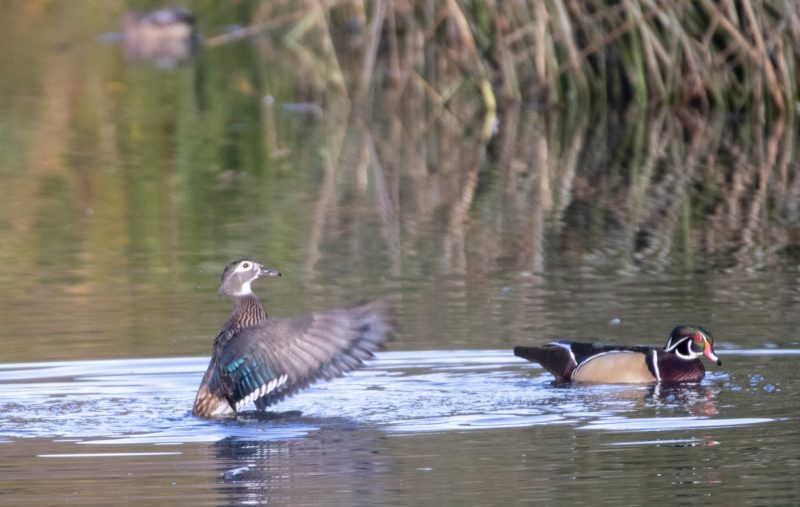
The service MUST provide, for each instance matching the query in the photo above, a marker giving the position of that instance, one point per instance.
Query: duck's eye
(698, 338)
(246, 265)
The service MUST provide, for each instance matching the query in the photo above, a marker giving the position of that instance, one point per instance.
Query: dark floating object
(264, 359)
(165, 37)
(678, 361)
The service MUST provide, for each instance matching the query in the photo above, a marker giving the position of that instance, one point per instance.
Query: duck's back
(587, 361)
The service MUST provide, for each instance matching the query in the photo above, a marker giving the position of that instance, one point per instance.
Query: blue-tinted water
(408, 418)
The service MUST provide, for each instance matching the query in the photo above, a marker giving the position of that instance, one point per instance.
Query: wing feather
(272, 360)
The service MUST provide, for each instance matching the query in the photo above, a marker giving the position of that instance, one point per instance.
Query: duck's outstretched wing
(277, 358)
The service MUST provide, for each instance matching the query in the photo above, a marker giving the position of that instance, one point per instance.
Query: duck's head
(238, 275)
(689, 341)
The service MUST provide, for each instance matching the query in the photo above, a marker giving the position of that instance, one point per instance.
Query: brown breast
(674, 369)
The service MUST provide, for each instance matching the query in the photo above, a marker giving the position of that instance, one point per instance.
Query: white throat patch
(252, 271)
(246, 290)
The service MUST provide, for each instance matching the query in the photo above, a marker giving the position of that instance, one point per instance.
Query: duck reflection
(336, 458)
(695, 399)
(164, 37)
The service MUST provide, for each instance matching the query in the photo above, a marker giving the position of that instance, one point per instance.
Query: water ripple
(147, 401)
(671, 423)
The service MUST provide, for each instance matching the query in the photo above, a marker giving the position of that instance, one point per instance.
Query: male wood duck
(263, 359)
(678, 361)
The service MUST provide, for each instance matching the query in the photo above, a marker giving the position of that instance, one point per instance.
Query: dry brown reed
(731, 56)
(557, 131)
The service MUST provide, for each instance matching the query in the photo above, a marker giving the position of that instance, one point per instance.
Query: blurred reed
(706, 55)
(631, 134)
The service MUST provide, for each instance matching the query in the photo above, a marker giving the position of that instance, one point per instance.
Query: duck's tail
(555, 358)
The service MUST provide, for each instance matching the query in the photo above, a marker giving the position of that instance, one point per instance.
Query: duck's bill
(265, 271)
(710, 355)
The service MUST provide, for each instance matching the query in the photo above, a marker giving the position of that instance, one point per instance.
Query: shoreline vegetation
(704, 55)
(408, 128)
(656, 134)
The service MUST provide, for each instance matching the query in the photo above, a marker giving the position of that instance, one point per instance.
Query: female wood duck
(678, 361)
(263, 359)
(163, 36)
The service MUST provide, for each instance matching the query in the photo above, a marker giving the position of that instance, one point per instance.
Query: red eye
(698, 338)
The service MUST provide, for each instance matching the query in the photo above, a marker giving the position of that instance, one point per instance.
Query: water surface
(125, 188)
(411, 427)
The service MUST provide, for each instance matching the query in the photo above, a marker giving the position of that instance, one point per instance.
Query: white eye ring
(246, 265)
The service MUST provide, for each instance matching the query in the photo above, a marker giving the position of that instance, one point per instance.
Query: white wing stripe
(568, 348)
(264, 390)
(655, 366)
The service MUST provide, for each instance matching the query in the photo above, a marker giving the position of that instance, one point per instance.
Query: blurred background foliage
(384, 147)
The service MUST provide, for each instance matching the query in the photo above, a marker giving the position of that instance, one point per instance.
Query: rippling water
(411, 427)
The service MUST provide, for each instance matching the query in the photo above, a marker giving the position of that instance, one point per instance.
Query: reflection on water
(347, 462)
